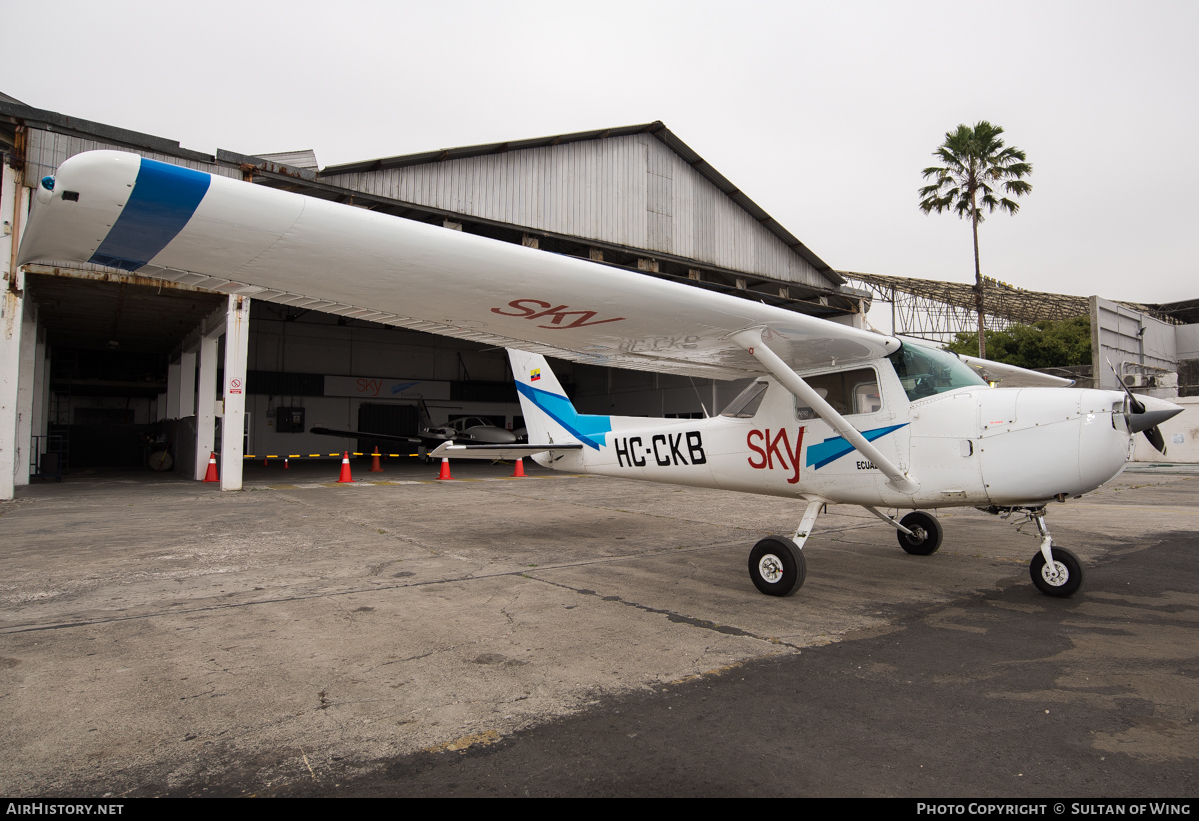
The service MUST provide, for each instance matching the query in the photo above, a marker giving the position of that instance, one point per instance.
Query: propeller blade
(1154, 435)
(1135, 404)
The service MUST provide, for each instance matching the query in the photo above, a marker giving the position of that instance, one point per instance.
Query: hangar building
(102, 367)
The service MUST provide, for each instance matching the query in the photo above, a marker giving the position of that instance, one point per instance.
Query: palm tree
(975, 160)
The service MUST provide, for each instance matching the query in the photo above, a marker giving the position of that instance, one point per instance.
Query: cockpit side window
(849, 392)
(746, 405)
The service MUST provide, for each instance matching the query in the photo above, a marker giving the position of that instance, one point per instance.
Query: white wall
(1186, 340)
(1184, 426)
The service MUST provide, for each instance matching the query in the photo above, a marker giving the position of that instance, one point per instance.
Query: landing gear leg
(805, 524)
(1055, 571)
(776, 564)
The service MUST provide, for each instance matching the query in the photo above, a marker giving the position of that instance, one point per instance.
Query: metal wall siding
(630, 190)
(47, 150)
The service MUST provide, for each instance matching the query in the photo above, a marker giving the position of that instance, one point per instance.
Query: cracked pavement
(159, 637)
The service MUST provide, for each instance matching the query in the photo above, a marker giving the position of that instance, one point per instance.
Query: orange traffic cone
(264, 461)
(445, 470)
(375, 468)
(519, 471)
(286, 466)
(211, 476)
(345, 468)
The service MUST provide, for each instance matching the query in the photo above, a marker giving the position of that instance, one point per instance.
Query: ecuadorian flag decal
(833, 448)
(534, 374)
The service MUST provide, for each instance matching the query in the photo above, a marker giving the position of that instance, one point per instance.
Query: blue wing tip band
(162, 202)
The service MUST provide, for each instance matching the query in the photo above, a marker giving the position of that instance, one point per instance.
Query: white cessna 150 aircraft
(835, 415)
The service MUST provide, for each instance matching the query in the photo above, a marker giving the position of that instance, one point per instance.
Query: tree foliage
(1044, 344)
(976, 165)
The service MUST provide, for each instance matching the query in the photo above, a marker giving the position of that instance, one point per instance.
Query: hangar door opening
(111, 351)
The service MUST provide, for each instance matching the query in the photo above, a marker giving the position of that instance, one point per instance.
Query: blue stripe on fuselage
(162, 201)
(588, 429)
(833, 448)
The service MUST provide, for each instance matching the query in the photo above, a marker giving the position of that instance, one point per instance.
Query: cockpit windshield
(929, 371)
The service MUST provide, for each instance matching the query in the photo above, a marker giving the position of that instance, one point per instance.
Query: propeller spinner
(1142, 420)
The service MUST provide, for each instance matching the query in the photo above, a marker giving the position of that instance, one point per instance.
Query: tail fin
(550, 417)
(422, 411)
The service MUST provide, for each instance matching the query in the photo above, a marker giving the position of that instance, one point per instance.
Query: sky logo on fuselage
(833, 448)
(773, 448)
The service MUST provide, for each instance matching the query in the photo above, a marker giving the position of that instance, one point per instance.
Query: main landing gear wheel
(926, 534)
(777, 566)
(1062, 583)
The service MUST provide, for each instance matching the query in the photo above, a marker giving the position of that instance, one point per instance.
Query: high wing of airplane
(837, 415)
(1013, 376)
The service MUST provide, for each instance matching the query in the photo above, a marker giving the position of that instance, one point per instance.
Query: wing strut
(751, 341)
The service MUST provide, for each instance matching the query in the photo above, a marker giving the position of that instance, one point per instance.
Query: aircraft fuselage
(966, 447)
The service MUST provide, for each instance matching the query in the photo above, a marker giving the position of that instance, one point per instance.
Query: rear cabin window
(849, 392)
(747, 402)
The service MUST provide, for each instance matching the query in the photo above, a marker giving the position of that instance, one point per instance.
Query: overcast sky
(824, 113)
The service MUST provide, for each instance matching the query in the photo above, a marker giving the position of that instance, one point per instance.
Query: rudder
(550, 417)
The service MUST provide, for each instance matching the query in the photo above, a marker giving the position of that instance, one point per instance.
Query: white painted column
(187, 384)
(12, 307)
(206, 403)
(10, 368)
(39, 391)
(27, 366)
(173, 390)
(237, 350)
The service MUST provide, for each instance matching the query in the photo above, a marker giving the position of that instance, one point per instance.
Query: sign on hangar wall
(371, 387)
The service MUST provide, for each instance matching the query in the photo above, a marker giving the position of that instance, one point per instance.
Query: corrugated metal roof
(55, 122)
(657, 128)
(293, 159)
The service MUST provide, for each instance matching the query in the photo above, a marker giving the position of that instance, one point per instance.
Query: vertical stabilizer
(549, 415)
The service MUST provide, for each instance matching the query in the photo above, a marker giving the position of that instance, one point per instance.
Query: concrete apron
(155, 633)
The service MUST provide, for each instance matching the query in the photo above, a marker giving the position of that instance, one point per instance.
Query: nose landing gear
(1055, 571)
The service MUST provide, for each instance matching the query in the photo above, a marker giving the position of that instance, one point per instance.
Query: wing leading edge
(187, 226)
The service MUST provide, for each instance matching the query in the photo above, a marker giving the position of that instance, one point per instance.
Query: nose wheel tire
(926, 533)
(777, 566)
(1061, 580)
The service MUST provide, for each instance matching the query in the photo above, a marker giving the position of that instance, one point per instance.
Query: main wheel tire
(1069, 573)
(777, 566)
(926, 533)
